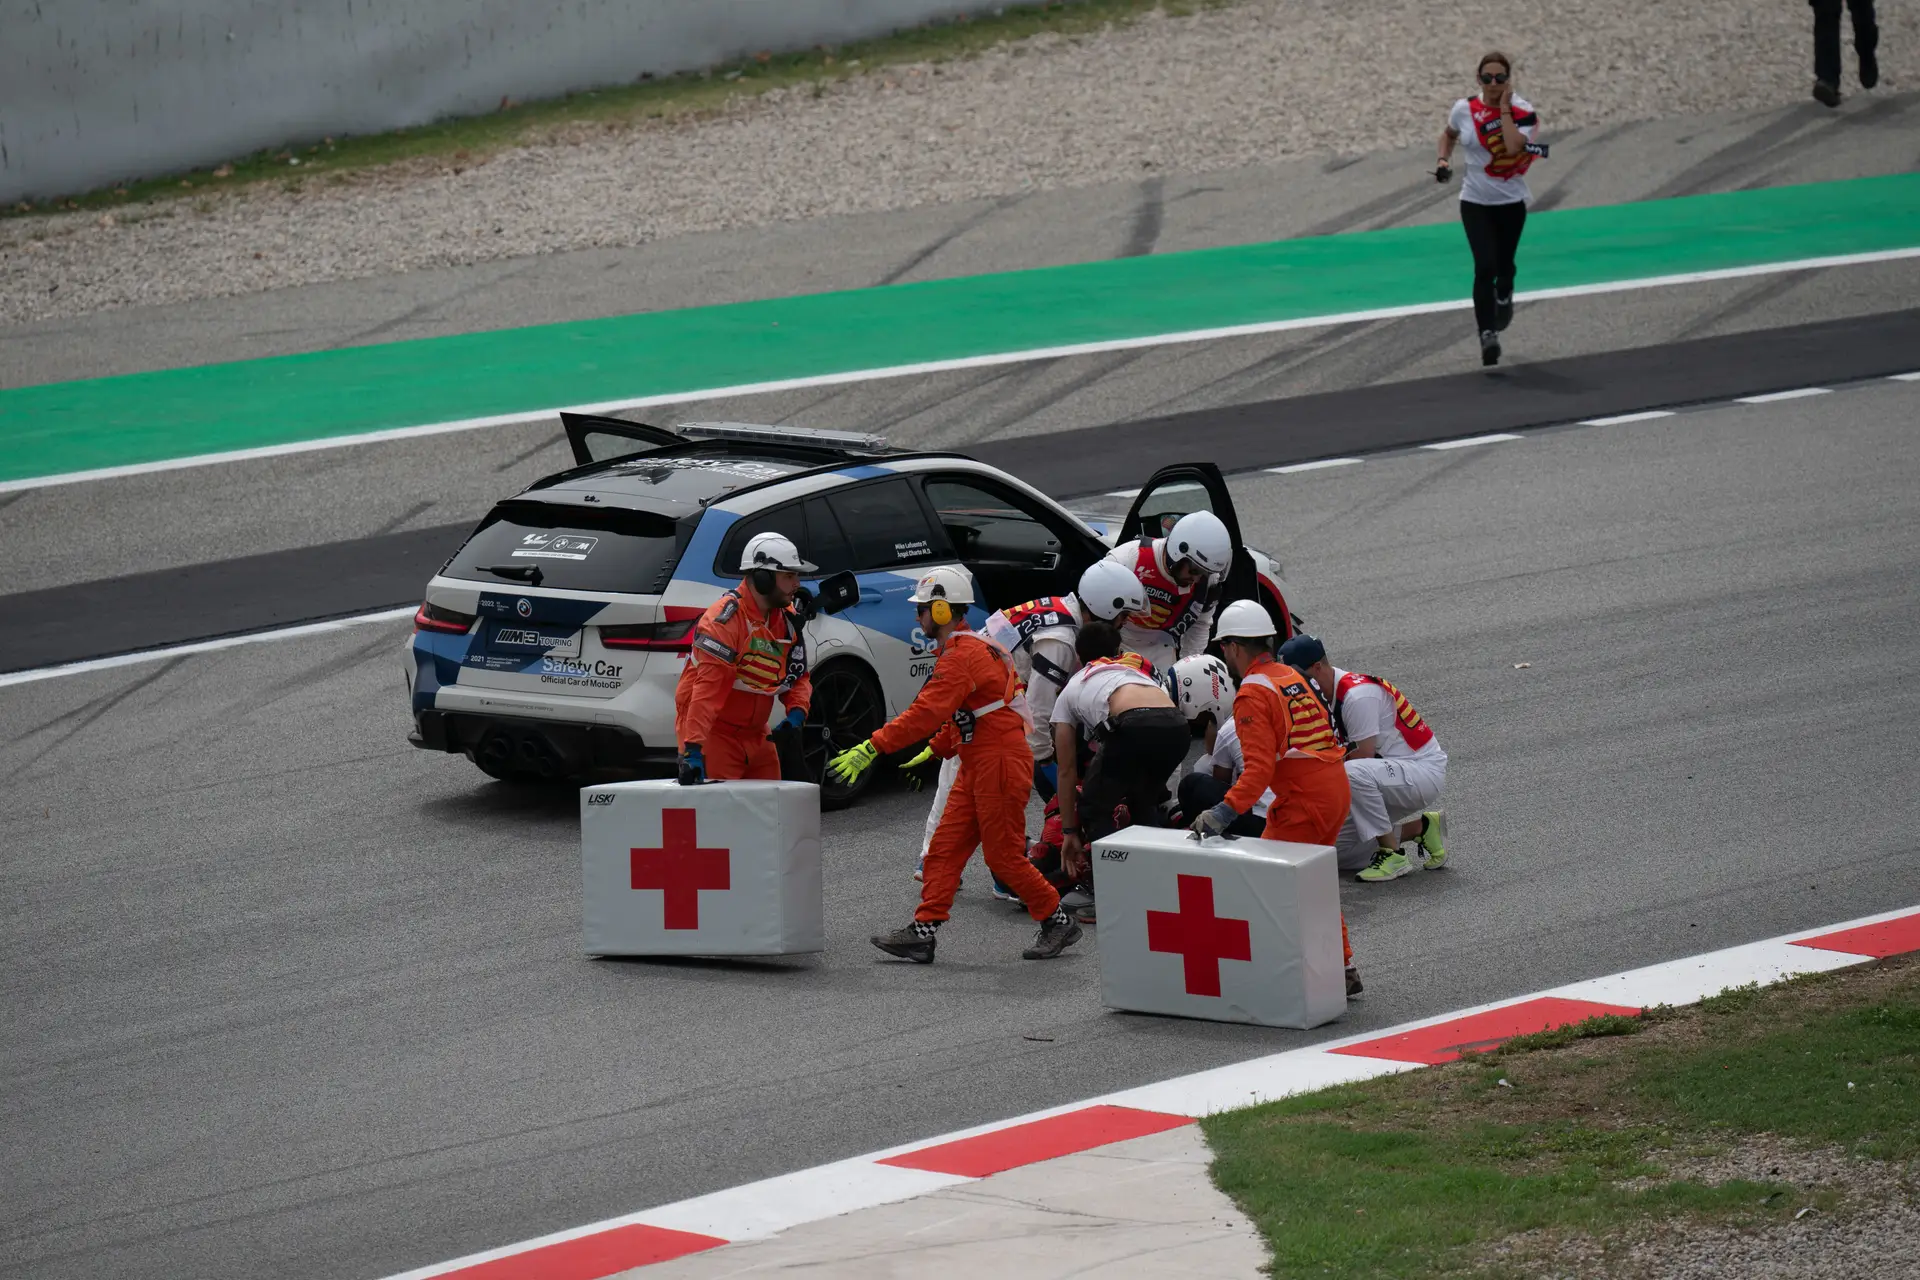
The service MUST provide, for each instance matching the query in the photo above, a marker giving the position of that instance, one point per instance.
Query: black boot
(910, 942)
(1057, 933)
(1489, 346)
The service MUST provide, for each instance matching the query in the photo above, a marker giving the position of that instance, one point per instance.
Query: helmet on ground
(1109, 590)
(1201, 536)
(951, 585)
(1244, 620)
(1201, 685)
(774, 552)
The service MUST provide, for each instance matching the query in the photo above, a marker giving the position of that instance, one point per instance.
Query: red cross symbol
(680, 869)
(1200, 938)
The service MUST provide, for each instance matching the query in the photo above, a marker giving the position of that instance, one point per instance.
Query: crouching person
(1140, 738)
(1395, 767)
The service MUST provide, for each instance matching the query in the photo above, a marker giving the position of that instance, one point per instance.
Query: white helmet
(1201, 685)
(1244, 620)
(954, 586)
(773, 551)
(1108, 590)
(1201, 537)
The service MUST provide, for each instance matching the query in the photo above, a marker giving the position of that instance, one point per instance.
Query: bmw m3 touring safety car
(549, 645)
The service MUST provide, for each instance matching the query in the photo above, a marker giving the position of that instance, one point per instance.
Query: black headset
(762, 580)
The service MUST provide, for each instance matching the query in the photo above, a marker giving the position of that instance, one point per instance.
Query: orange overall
(742, 660)
(988, 805)
(1287, 743)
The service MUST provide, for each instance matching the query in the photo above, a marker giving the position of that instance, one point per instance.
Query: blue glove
(789, 727)
(1051, 772)
(693, 766)
(1215, 821)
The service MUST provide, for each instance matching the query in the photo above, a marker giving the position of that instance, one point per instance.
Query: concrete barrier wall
(98, 91)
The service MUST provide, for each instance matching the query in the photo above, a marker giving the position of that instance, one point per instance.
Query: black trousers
(1493, 233)
(1826, 35)
(1199, 792)
(1140, 753)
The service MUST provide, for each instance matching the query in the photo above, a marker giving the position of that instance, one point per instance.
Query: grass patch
(468, 140)
(1579, 1132)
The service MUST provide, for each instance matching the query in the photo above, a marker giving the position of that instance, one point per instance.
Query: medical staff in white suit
(1395, 766)
(1181, 574)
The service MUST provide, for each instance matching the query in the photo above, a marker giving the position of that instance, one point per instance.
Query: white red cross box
(726, 869)
(1233, 930)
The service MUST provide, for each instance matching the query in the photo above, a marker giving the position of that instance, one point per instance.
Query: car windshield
(572, 548)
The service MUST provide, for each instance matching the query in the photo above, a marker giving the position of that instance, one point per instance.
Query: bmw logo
(524, 608)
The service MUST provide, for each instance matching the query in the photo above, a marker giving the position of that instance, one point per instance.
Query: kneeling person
(1395, 766)
(973, 706)
(1214, 775)
(1140, 735)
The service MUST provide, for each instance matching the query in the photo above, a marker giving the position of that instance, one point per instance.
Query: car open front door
(598, 439)
(1174, 491)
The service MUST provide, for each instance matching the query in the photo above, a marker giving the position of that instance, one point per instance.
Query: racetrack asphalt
(287, 997)
(142, 524)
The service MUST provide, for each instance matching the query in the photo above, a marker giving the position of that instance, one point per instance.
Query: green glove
(914, 779)
(850, 764)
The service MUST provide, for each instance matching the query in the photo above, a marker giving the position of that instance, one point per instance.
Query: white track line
(1468, 443)
(694, 395)
(1907, 377)
(1799, 393)
(1620, 419)
(202, 646)
(1321, 465)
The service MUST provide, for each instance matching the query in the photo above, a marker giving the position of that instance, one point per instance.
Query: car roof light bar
(845, 441)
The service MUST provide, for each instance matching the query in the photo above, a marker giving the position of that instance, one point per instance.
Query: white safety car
(549, 645)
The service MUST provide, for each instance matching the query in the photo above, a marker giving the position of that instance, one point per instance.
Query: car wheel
(847, 702)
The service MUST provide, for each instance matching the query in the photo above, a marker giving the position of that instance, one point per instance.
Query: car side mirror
(837, 591)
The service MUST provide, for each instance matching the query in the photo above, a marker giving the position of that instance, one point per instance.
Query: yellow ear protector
(941, 612)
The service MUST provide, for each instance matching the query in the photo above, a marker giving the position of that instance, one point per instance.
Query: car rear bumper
(545, 748)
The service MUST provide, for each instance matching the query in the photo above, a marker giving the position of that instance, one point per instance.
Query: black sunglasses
(1487, 79)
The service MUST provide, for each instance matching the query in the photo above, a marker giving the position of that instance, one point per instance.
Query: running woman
(1494, 129)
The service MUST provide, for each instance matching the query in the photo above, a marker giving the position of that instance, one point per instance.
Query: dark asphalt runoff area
(286, 997)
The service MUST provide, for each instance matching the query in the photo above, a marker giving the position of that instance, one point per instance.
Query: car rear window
(575, 548)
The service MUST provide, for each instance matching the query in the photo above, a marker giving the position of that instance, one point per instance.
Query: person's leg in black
(1477, 220)
(1199, 792)
(1866, 41)
(1826, 51)
(1509, 220)
(1157, 742)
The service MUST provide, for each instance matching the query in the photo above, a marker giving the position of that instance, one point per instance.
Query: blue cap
(1302, 652)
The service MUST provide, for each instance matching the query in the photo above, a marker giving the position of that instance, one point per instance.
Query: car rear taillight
(433, 617)
(669, 637)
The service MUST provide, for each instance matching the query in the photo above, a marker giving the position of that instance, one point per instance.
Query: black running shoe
(1869, 70)
(1502, 312)
(1489, 346)
(1056, 935)
(1354, 985)
(1824, 92)
(907, 942)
